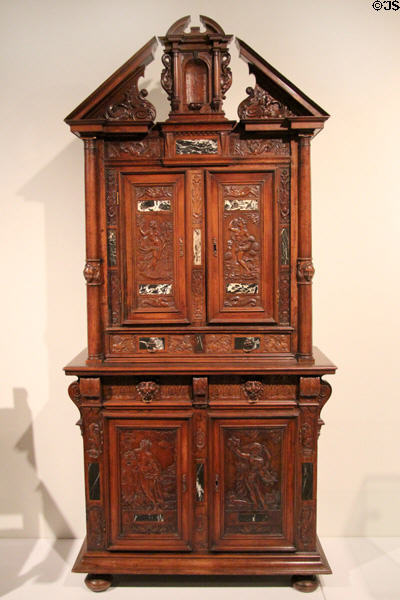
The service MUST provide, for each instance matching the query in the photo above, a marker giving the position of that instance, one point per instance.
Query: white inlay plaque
(155, 289)
(241, 204)
(197, 247)
(154, 205)
(242, 288)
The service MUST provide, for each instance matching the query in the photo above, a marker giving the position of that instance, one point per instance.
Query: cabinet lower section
(200, 475)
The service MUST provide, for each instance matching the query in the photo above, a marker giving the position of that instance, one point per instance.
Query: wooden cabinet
(200, 392)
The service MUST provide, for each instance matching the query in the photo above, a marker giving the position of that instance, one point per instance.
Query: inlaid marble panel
(154, 205)
(155, 288)
(240, 204)
(199, 146)
(242, 288)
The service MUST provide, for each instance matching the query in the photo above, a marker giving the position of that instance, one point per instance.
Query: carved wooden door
(242, 253)
(252, 483)
(150, 478)
(153, 248)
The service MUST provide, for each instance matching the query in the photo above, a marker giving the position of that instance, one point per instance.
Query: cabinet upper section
(198, 229)
(196, 77)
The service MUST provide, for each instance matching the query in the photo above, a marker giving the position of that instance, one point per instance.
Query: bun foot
(305, 583)
(98, 583)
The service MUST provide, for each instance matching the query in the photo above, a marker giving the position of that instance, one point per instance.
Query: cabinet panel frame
(252, 542)
(131, 419)
(267, 176)
(181, 260)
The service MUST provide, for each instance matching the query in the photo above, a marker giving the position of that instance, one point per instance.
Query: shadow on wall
(22, 509)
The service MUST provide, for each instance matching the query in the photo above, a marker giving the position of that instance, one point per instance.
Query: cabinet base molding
(272, 563)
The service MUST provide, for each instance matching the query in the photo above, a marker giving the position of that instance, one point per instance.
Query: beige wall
(346, 57)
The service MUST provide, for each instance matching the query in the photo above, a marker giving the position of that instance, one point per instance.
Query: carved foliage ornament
(260, 105)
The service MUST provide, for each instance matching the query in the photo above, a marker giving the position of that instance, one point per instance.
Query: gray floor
(364, 568)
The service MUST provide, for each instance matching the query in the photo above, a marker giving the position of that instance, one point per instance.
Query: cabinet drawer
(247, 390)
(147, 391)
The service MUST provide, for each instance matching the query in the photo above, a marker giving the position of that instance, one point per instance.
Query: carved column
(305, 269)
(93, 266)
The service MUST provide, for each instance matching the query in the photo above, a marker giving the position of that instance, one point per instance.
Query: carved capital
(148, 390)
(92, 271)
(253, 390)
(305, 271)
(200, 392)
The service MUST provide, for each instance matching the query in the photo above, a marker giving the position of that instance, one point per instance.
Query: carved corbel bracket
(200, 392)
(324, 395)
(305, 271)
(93, 271)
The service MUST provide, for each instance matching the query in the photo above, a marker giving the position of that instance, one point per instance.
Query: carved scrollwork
(145, 148)
(75, 393)
(260, 105)
(226, 73)
(277, 343)
(179, 344)
(324, 395)
(121, 344)
(218, 343)
(166, 75)
(148, 391)
(92, 271)
(305, 270)
(132, 107)
(253, 390)
(257, 147)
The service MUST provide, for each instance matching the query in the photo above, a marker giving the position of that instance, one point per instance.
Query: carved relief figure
(242, 247)
(254, 477)
(154, 259)
(148, 471)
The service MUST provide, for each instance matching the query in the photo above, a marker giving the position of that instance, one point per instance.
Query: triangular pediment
(118, 100)
(274, 96)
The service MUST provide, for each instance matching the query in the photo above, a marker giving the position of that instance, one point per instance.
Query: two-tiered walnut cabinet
(200, 392)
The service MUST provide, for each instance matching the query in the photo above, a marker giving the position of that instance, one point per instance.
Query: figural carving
(148, 390)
